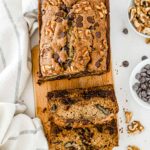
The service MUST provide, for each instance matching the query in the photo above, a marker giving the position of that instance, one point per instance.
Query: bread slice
(82, 107)
(74, 38)
(98, 137)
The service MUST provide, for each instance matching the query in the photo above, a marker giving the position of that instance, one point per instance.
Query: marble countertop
(130, 47)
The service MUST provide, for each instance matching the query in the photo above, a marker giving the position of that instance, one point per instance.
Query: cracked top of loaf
(74, 38)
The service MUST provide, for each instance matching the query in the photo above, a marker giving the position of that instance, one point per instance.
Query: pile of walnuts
(139, 15)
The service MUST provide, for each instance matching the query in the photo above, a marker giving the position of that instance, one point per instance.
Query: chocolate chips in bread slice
(98, 137)
(82, 107)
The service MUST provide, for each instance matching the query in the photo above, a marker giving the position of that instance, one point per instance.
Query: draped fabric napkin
(18, 23)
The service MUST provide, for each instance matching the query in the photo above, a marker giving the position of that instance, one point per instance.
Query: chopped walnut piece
(128, 116)
(133, 147)
(135, 127)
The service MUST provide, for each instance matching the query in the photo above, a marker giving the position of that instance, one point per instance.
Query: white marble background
(130, 47)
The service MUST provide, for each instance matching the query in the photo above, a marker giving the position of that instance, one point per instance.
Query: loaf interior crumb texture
(80, 107)
(99, 137)
(74, 38)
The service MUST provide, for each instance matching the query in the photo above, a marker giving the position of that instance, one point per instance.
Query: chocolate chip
(98, 63)
(92, 28)
(68, 101)
(71, 16)
(63, 7)
(147, 66)
(96, 24)
(99, 128)
(79, 18)
(136, 86)
(60, 14)
(53, 108)
(57, 130)
(79, 25)
(125, 63)
(62, 34)
(59, 19)
(143, 86)
(125, 31)
(98, 34)
(69, 23)
(91, 19)
(79, 21)
(142, 79)
(144, 58)
(138, 76)
(56, 56)
(66, 48)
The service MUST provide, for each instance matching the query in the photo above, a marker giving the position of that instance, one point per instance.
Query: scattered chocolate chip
(98, 63)
(59, 19)
(144, 58)
(53, 108)
(91, 19)
(125, 31)
(98, 34)
(60, 14)
(125, 63)
(56, 56)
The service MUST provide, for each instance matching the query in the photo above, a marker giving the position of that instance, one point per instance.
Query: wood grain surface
(40, 91)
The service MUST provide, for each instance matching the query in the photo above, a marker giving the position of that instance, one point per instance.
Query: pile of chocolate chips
(142, 88)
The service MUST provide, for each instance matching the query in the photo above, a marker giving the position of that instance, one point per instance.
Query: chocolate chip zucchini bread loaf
(98, 137)
(82, 107)
(74, 38)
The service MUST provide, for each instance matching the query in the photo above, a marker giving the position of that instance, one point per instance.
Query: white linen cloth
(18, 23)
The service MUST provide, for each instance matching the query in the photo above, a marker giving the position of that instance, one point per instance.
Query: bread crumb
(147, 40)
(133, 147)
(128, 116)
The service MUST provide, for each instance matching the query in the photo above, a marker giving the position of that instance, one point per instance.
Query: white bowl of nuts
(139, 17)
(140, 83)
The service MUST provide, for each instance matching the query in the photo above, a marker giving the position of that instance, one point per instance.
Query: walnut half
(135, 127)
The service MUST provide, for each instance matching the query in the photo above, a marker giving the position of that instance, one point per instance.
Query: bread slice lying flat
(82, 107)
(98, 137)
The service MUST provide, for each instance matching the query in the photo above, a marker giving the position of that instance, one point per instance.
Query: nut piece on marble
(128, 116)
(147, 40)
(135, 127)
(132, 147)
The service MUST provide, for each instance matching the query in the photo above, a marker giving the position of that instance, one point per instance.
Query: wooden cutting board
(40, 91)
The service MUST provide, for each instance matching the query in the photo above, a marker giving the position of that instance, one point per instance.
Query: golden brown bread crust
(60, 73)
(82, 107)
